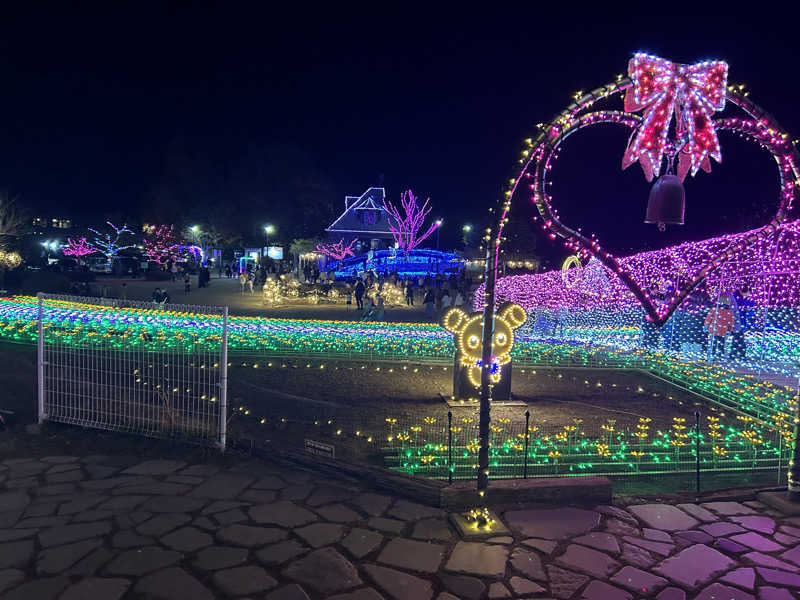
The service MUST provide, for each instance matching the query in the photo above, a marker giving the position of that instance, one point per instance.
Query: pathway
(105, 528)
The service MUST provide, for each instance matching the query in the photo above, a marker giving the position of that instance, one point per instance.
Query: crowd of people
(436, 293)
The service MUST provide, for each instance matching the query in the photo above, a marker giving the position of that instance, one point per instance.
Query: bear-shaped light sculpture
(468, 332)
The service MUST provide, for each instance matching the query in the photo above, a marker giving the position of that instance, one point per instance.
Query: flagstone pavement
(103, 528)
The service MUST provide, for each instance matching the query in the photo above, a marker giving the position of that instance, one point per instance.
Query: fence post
(223, 383)
(527, 436)
(450, 446)
(697, 452)
(40, 359)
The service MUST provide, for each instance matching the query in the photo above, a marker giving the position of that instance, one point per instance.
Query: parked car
(99, 265)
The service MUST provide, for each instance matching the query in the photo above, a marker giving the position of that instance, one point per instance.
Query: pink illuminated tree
(406, 226)
(162, 244)
(338, 250)
(78, 248)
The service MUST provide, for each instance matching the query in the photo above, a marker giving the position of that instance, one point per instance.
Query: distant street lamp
(438, 227)
(268, 230)
(467, 229)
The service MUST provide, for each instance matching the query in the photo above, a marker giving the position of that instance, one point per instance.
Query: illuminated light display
(414, 263)
(658, 83)
(109, 243)
(757, 443)
(272, 291)
(690, 92)
(161, 244)
(769, 269)
(406, 225)
(339, 250)
(468, 332)
(78, 248)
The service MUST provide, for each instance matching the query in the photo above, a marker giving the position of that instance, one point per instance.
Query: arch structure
(539, 153)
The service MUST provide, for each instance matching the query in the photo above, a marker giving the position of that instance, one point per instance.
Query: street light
(438, 227)
(268, 230)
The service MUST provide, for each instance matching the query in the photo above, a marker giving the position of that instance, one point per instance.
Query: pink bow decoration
(693, 93)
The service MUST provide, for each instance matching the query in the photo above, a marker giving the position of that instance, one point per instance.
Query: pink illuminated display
(162, 244)
(339, 250)
(78, 248)
(769, 268)
(692, 93)
(660, 88)
(405, 227)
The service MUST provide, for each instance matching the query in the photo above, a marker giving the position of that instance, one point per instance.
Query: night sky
(94, 101)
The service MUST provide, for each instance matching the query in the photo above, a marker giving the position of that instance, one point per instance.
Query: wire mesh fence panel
(134, 367)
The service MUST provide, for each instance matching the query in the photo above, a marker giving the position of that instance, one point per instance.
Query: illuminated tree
(161, 243)
(405, 227)
(12, 226)
(109, 243)
(78, 248)
(338, 250)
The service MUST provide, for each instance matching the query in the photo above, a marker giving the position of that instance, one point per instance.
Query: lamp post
(438, 227)
(465, 237)
(268, 230)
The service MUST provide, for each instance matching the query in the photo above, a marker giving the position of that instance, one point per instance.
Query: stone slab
(97, 588)
(172, 584)
(599, 590)
(241, 581)
(663, 516)
(277, 554)
(745, 577)
(638, 581)
(719, 591)
(326, 571)
(694, 566)
(360, 542)
(142, 560)
(588, 561)
(222, 486)
(283, 514)
(214, 558)
(249, 536)
(553, 524)
(398, 585)
(483, 560)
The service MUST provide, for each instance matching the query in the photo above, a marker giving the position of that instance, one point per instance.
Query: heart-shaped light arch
(537, 159)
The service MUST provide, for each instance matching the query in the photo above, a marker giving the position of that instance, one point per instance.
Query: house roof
(363, 214)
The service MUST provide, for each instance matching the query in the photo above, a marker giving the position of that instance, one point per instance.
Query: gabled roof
(363, 214)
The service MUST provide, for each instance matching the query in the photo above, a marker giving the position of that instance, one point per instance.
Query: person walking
(242, 280)
(429, 300)
(409, 293)
(228, 271)
(459, 299)
(742, 307)
(174, 270)
(187, 284)
(380, 312)
(446, 300)
(250, 279)
(359, 292)
(719, 322)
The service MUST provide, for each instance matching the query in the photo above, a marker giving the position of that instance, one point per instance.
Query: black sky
(92, 98)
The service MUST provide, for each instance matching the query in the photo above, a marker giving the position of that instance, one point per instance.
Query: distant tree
(338, 250)
(406, 225)
(110, 242)
(78, 248)
(161, 243)
(13, 222)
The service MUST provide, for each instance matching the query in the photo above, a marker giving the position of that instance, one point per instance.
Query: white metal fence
(132, 366)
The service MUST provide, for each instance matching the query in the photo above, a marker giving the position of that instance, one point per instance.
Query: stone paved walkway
(102, 528)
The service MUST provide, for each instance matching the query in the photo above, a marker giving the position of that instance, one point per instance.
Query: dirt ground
(227, 292)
